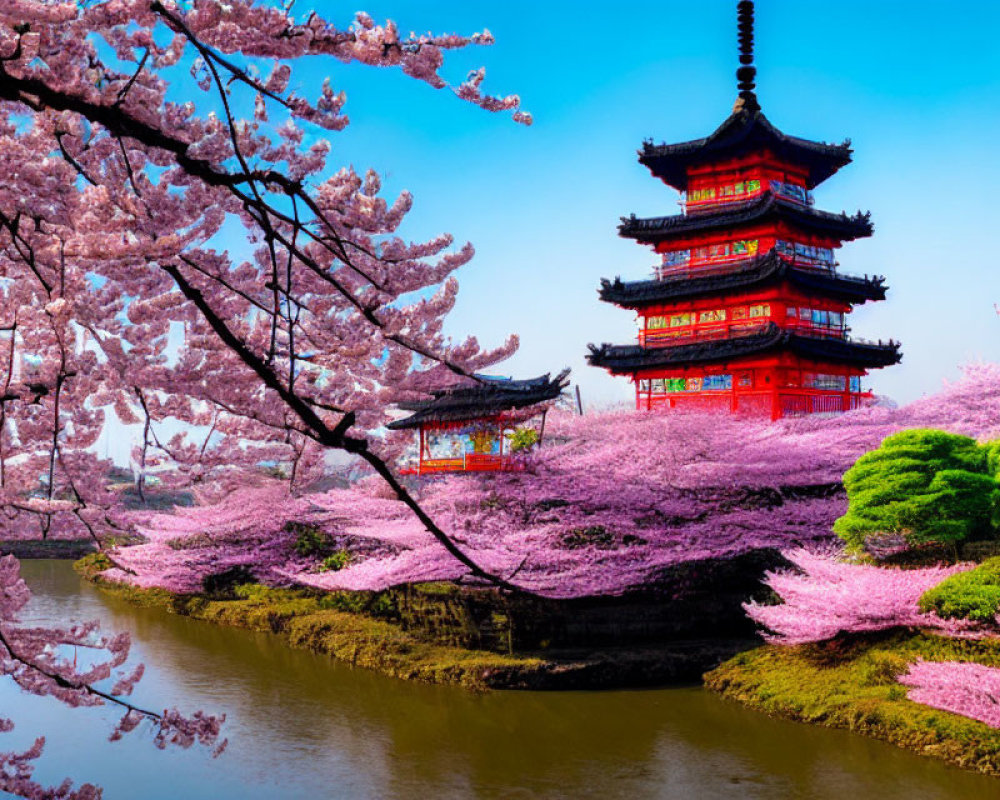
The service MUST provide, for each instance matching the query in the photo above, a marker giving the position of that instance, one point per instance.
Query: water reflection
(301, 726)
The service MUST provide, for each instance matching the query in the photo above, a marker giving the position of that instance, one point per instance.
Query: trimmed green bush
(971, 595)
(929, 485)
(335, 562)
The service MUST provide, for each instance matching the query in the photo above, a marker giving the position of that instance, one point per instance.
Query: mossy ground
(439, 633)
(329, 624)
(851, 683)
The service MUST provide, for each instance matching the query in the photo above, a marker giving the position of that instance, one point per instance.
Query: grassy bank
(380, 631)
(323, 625)
(852, 684)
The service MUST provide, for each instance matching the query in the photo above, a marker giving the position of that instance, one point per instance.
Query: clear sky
(915, 85)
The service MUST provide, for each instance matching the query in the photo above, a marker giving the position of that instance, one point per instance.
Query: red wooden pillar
(420, 452)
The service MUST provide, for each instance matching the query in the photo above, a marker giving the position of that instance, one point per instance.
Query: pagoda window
(817, 318)
(680, 320)
(812, 380)
(805, 253)
(656, 323)
(725, 193)
(676, 384)
(745, 380)
(701, 195)
(855, 383)
(717, 382)
(718, 253)
(693, 384)
(676, 258)
(643, 386)
(793, 192)
(760, 310)
(738, 313)
(716, 315)
(657, 386)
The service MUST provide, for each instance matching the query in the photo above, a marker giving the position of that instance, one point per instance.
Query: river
(301, 726)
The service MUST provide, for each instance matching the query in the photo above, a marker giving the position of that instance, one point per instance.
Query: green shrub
(929, 485)
(335, 562)
(971, 595)
(523, 439)
(309, 540)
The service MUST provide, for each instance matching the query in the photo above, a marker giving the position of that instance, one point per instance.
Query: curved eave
(481, 402)
(629, 359)
(750, 274)
(839, 351)
(742, 133)
(766, 208)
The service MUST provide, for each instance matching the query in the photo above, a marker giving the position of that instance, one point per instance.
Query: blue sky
(915, 85)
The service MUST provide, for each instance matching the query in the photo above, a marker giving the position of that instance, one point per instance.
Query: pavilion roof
(489, 397)
(745, 131)
(756, 272)
(766, 207)
(628, 359)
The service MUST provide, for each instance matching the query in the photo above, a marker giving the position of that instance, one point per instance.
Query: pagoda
(480, 427)
(747, 310)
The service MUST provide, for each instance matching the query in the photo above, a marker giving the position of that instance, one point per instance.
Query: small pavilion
(479, 427)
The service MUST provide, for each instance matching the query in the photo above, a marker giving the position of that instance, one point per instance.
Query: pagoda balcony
(774, 403)
(739, 330)
(743, 191)
(735, 265)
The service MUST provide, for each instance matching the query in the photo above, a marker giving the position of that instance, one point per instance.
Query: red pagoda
(746, 311)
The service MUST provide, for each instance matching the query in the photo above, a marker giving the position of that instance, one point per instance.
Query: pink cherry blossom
(969, 689)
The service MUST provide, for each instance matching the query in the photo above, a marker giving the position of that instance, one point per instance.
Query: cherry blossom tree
(115, 200)
(614, 501)
(299, 347)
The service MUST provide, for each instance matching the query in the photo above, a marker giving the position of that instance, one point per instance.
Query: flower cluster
(824, 597)
(965, 688)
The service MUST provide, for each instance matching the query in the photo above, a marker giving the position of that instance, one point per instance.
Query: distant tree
(929, 485)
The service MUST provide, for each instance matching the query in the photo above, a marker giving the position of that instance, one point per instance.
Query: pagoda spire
(747, 71)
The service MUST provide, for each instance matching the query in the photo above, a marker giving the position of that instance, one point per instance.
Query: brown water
(301, 726)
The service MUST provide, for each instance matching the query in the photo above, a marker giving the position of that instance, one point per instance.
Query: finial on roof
(747, 72)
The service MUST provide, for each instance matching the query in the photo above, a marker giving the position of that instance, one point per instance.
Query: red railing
(790, 403)
(470, 462)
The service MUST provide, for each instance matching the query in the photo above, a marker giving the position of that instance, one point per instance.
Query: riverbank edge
(852, 684)
(302, 620)
(47, 548)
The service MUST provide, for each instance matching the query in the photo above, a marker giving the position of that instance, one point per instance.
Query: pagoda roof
(746, 130)
(490, 397)
(755, 272)
(628, 359)
(767, 207)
